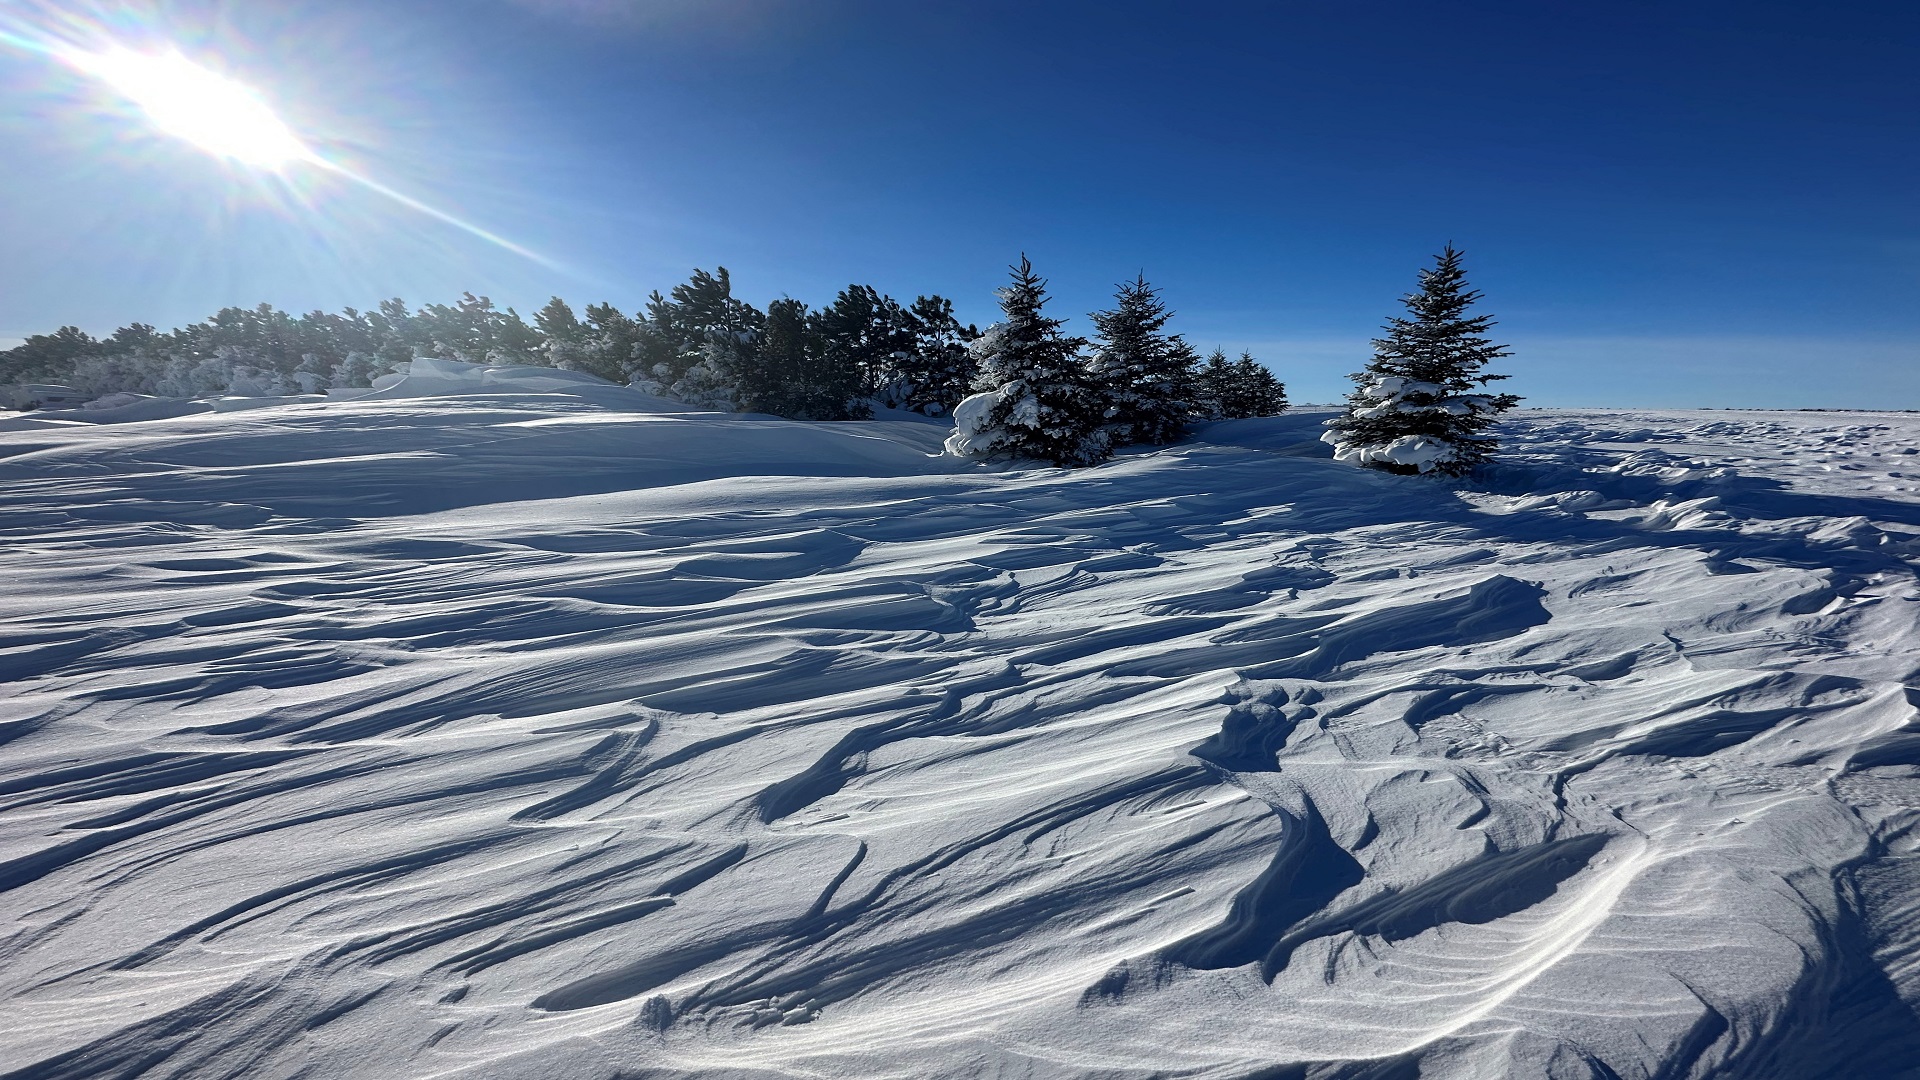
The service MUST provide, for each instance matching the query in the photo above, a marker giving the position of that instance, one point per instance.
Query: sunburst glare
(207, 109)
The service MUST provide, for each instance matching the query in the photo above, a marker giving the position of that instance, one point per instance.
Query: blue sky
(1666, 204)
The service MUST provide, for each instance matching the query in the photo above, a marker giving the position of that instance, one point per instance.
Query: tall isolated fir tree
(1145, 374)
(1412, 409)
(1036, 399)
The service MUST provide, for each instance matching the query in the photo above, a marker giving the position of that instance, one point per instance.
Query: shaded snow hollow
(508, 735)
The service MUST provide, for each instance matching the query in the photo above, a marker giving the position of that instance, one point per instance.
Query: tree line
(699, 344)
(1023, 389)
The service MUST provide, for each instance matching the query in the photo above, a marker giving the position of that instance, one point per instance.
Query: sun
(205, 108)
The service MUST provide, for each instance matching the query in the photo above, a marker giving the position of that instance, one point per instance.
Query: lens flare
(203, 107)
(207, 109)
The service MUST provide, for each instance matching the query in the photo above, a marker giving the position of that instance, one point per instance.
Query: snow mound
(1397, 394)
(505, 734)
(972, 435)
(1423, 452)
(431, 377)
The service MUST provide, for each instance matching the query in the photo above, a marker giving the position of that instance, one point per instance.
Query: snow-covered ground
(513, 736)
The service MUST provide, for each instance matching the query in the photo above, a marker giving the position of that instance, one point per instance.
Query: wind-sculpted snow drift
(510, 735)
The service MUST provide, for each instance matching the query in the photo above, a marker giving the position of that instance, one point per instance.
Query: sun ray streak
(433, 212)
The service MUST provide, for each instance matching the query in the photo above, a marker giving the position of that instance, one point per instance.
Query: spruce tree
(1256, 391)
(1213, 386)
(1035, 399)
(1145, 377)
(1411, 410)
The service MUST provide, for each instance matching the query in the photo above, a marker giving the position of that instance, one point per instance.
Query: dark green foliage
(866, 334)
(701, 313)
(603, 345)
(475, 332)
(1048, 407)
(1212, 382)
(938, 368)
(911, 358)
(1236, 389)
(1255, 391)
(558, 322)
(1422, 371)
(699, 343)
(696, 341)
(46, 356)
(1144, 373)
(613, 343)
(794, 374)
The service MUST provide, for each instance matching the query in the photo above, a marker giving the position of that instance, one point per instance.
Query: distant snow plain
(537, 730)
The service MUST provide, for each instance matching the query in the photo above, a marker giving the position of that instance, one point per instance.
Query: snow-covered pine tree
(696, 342)
(1035, 398)
(576, 346)
(1256, 392)
(1411, 410)
(1146, 378)
(1213, 386)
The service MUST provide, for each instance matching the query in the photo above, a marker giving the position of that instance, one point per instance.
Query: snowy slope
(508, 735)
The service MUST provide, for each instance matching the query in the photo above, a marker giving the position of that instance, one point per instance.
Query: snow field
(510, 735)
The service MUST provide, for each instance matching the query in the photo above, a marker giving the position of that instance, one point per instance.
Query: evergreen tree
(558, 322)
(1036, 399)
(1256, 391)
(600, 346)
(939, 367)
(614, 341)
(1236, 389)
(1213, 386)
(47, 356)
(1142, 372)
(1411, 410)
(867, 334)
(698, 340)
(794, 374)
(780, 365)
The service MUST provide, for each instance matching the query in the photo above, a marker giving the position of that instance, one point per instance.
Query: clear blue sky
(1666, 203)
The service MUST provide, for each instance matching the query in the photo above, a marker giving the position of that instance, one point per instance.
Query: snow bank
(128, 408)
(431, 377)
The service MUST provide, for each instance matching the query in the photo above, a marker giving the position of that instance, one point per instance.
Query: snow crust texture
(513, 735)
